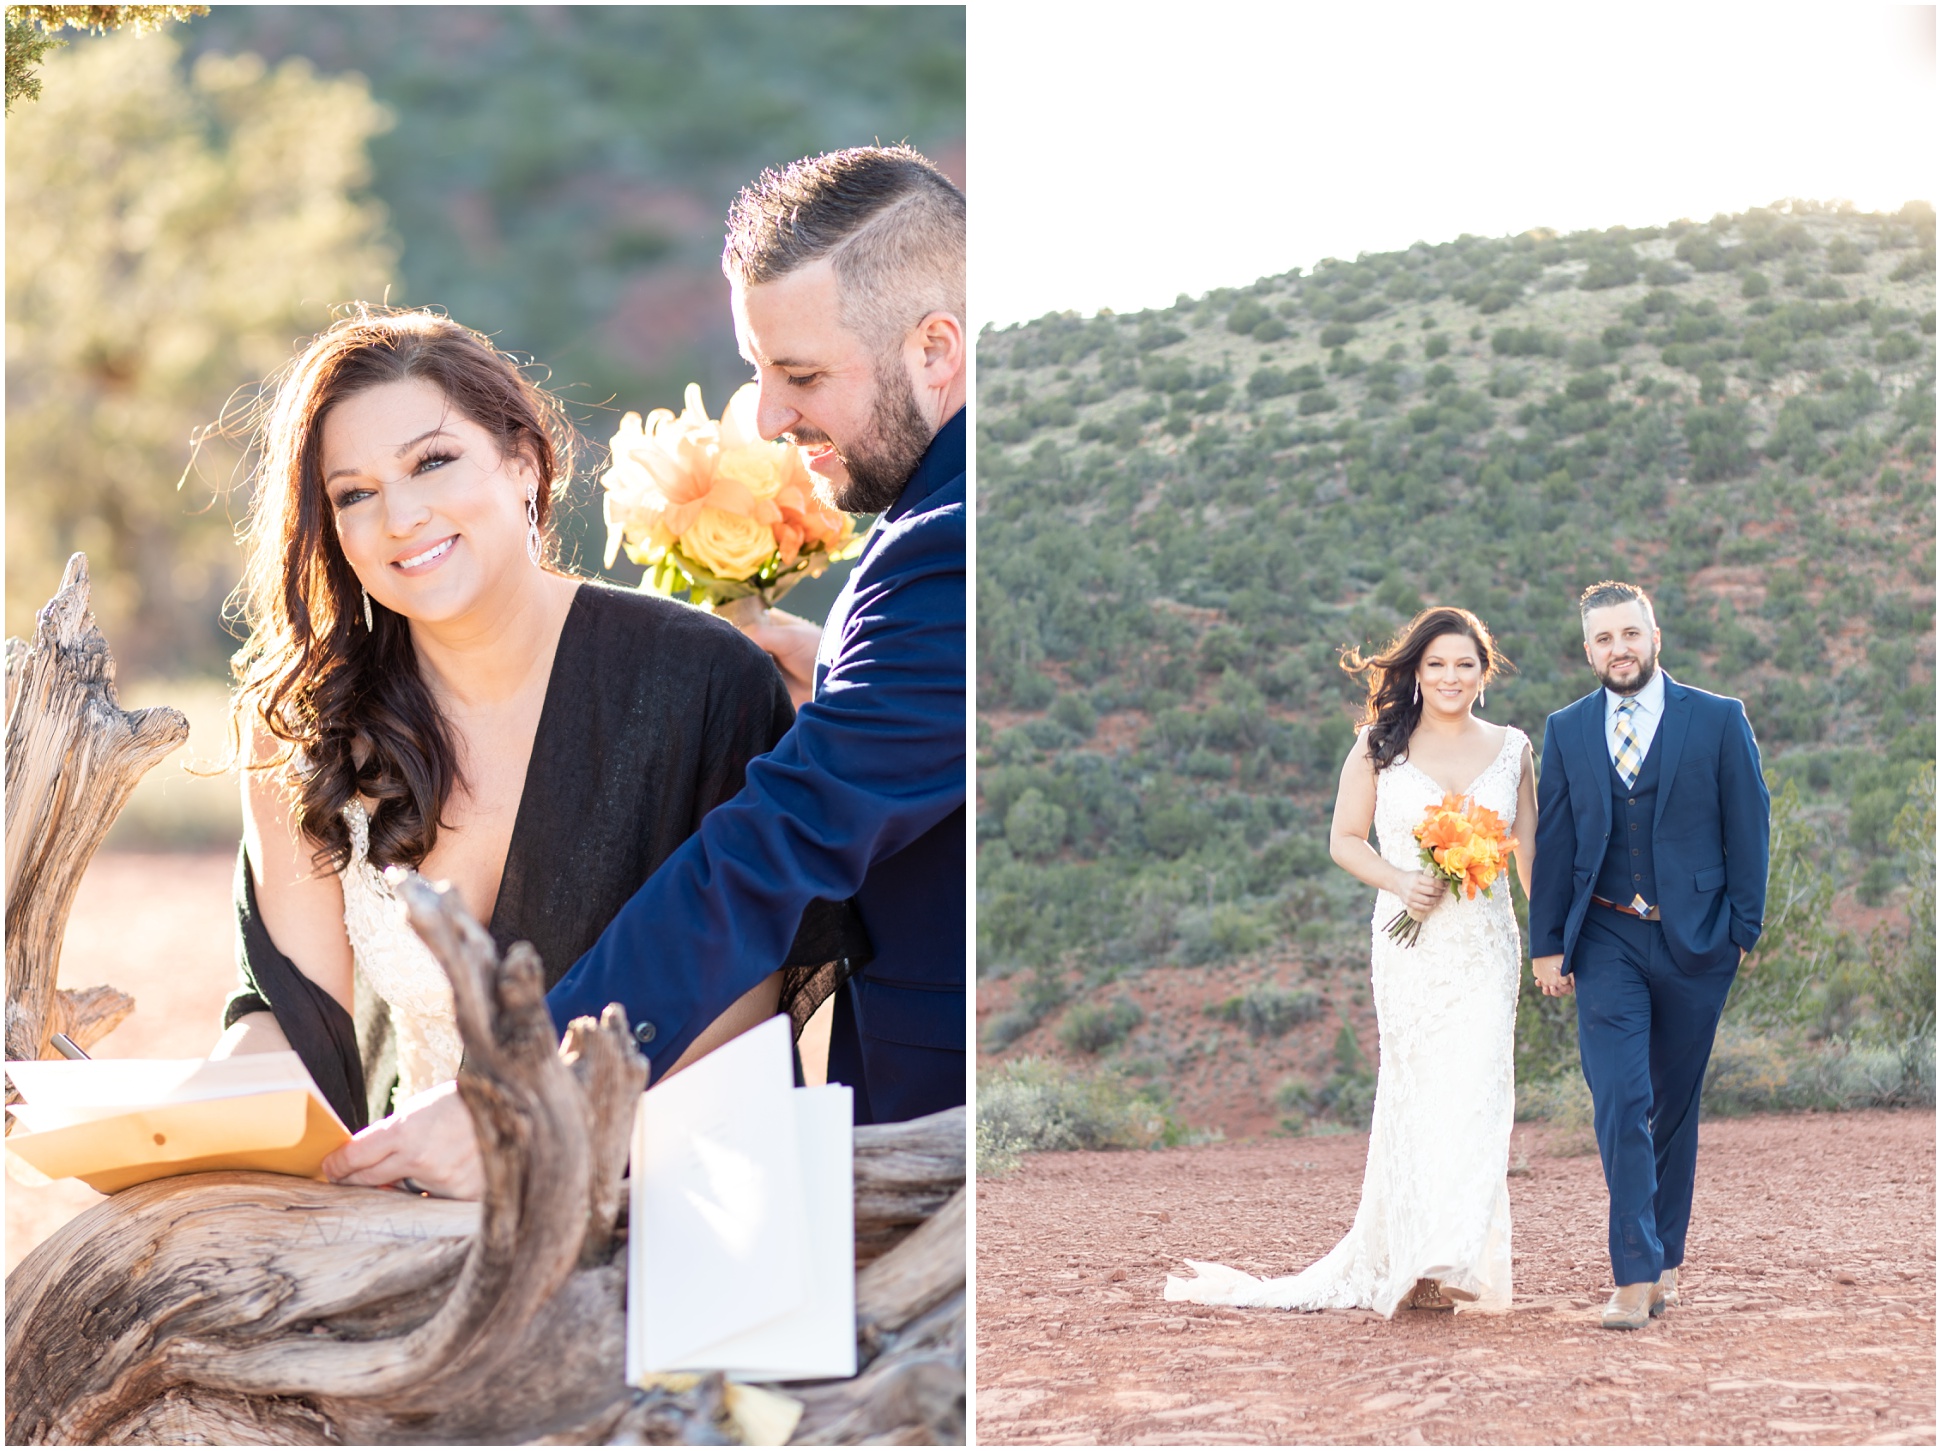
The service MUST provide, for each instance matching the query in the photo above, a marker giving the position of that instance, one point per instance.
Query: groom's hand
(1550, 977)
(791, 642)
(429, 1140)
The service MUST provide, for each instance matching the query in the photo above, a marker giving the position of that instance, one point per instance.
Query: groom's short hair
(892, 224)
(1608, 592)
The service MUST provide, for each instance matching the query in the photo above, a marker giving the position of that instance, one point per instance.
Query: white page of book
(60, 1092)
(715, 1237)
(817, 1340)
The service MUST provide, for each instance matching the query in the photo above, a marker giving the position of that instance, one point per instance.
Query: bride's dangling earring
(1482, 698)
(1418, 693)
(532, 523)
(368, 623)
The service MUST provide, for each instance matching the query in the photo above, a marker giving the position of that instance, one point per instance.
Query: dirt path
(1808, 1314)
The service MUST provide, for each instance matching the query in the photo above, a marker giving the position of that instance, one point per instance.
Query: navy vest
(1627, 869)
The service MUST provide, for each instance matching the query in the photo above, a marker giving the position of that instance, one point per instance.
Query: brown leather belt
(1648, 915)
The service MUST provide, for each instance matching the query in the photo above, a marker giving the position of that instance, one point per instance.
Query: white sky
(1121, 154)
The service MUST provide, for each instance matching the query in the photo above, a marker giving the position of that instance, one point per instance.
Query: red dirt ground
(1808, 1314)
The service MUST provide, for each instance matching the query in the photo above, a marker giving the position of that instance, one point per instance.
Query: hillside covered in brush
(1185, 515)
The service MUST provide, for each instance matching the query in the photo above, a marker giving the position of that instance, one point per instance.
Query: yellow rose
(729, 546)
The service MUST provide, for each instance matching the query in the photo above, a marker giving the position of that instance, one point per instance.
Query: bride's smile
(426, 559)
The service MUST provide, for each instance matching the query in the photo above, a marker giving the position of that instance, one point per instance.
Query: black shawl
(652, 713)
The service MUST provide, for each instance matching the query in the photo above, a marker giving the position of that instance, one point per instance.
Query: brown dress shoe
(1632, 1306)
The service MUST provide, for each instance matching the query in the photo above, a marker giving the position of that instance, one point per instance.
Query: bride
(1434, 1223)
(421, 687)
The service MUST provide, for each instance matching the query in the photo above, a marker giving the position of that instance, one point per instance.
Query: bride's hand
(429, 1140)
(791, 642)
(1421, 893)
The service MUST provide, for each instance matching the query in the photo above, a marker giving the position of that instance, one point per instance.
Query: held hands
(1421, 893)
(1549, 972)
(429, 1140)
(791, 643)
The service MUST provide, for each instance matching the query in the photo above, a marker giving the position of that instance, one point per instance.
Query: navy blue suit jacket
(863, 797)
(1709, 832)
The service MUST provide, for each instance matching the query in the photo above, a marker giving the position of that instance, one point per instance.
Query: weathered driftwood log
(72, 757)
(261, 1309)
(257, 1308)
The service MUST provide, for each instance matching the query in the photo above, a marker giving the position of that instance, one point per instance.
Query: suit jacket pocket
(1710, 880)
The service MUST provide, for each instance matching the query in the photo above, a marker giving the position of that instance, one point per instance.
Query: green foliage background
(184, 207)
(1185, 514)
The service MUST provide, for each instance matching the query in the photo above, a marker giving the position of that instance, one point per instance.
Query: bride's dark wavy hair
(346, 705)
(1392, 709)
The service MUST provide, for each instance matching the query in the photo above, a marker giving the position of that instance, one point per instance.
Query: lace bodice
(1403, 794)
(398, 967)
(1435, 1201)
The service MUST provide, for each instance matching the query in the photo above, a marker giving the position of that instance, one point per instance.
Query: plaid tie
(1630, 753)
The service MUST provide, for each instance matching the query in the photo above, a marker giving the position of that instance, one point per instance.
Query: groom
(847, 282)
(1649, 886)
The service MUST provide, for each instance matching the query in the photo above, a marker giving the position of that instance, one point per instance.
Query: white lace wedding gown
(399, 968)
(1435, 1199)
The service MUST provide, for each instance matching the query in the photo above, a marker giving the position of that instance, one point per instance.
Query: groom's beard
(1647, 667)
(880, 465)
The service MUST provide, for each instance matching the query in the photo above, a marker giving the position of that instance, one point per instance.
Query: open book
(741, 1253)
(112, 1122)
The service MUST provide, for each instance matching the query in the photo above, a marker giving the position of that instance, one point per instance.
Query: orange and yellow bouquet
(1464, 844)
(714, 509)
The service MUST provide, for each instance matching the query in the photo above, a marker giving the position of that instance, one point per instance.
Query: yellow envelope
(282, 1130)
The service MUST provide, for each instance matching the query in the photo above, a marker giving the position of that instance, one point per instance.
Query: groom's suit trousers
(1644, 1034)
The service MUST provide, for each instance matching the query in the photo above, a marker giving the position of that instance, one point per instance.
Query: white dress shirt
(1644, 719)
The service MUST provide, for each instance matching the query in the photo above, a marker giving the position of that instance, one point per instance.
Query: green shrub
(1269, 382)
(1755, 1071)
(1586, 353)
(1506, 382)
(1608, 269)
(1346, 1099)
(1268, 1012)
(1842, 255)
(1094, 1027)
(1312, 403)
(1434, 346)
(1031, 1105)
(1044, 992)
(1587, 387)
(1525, 342)
(1717, 439)
(1075, 713)
(1915, 268)
(1034, 826)
(1898, 347)
(1247, 314)
(1337, 334)
(997, 1153)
